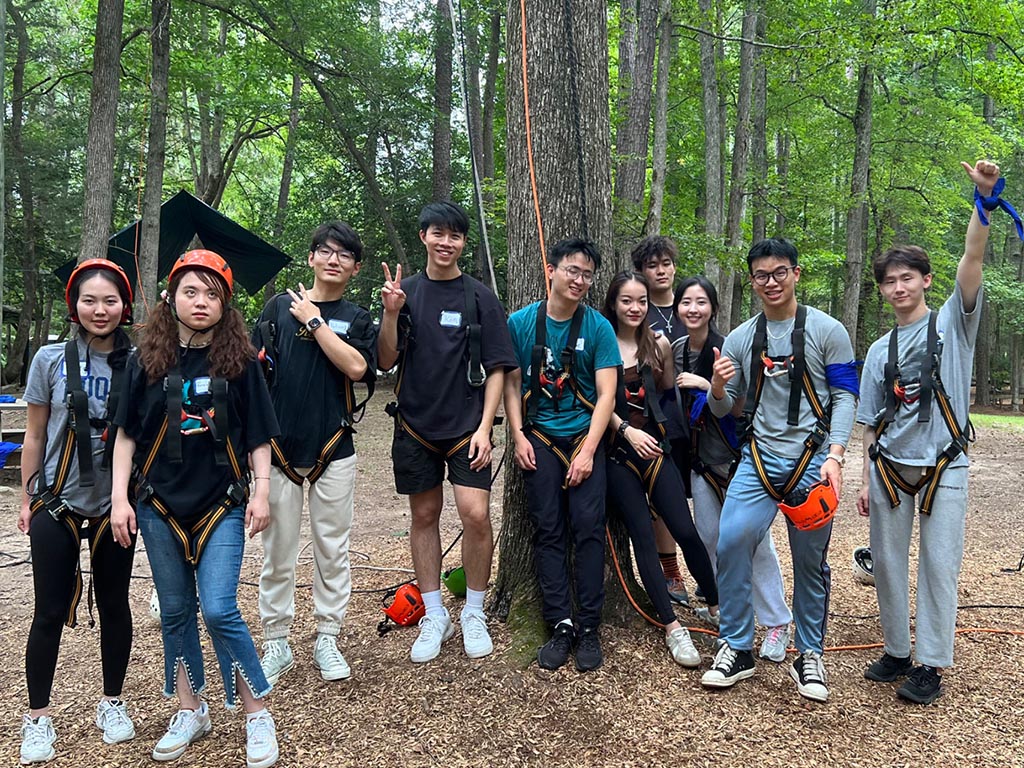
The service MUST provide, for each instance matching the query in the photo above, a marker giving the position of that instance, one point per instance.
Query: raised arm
(984, 174)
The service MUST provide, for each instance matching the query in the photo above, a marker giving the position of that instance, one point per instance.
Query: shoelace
(116, 715)
(273, 649)
(181, 722)
(330, 651)
(473, 626)
(431, 626)
(774, 634)
(259, 730)
(34, 734)
(921, 676)
(812, 670)
(726, 657)
(588, 640)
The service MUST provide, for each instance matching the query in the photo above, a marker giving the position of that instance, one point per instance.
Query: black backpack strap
(475, 374)
(798, 366)
(755, 374)
(892, 375)
(172, 438)
(569, 351)
(540, 340)
(118, 360)
(219, 427)
(651, 403)
(266, 336)
(930, 370)
(78, 416)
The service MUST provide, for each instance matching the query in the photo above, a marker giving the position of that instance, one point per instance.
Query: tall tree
(659, 152)
(99, 169)
(287, 168)
(441, 182)
(714, 140)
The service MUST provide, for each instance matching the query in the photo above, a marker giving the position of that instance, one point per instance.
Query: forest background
(836, 123)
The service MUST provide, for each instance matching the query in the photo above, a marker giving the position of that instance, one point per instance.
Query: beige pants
(330, 521)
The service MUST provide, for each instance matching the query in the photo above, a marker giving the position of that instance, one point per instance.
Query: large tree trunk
(554, 79)
(984, 349)
(288, 166)
(149, 242)
(759, 142)
(29, 258)
(714, 140)
(856, 214)
(99, 168)
(441, 180)
(659, 152)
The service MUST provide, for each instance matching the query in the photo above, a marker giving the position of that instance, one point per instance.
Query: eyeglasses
(575, 273)
(779, 275)
(326, 252)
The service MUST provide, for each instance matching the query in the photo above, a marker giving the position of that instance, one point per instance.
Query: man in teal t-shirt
(558, 404)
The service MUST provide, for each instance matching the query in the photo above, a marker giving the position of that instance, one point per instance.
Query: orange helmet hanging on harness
(109, 266)
(812, 507)
(207, 261)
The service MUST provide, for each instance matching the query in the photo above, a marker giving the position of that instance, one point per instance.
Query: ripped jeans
(212, 587)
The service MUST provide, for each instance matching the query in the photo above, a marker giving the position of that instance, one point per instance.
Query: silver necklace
(665, 319)
(783, 334)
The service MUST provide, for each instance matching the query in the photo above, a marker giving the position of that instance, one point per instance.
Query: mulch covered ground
(639, 709)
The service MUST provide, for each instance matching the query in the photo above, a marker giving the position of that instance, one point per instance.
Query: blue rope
(994, 201)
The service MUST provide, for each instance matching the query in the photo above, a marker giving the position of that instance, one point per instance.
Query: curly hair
(647, 351)
(230, 348)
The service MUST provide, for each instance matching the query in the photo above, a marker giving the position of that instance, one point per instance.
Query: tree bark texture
(99, 168)
(149, 240)
(659, 151)
(441, 181)
(714, 139)
(287, 168)
(984, 349)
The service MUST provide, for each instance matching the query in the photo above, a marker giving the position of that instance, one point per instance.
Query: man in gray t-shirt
(907, 458)
(780, 437)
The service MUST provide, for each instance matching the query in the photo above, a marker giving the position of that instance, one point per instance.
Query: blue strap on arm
(844, 376)
(700, 399)
(983, 204)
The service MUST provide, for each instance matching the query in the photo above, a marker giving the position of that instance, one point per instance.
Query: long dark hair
(706, 359)
(647, 352)
(230, 349)
(122, 340)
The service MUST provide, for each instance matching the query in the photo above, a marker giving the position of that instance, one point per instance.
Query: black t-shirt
(191, 488)
(311, 396)
(434, 394)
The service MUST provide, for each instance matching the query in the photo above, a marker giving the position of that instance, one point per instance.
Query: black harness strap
(567, 357)
(78, 418)
(474, 333)
(172, 436)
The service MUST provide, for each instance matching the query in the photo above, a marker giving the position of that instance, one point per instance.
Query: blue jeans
(211, 586)
(747, 515)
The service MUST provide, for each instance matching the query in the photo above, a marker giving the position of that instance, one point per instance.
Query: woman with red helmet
(196, 413)
(66, 498)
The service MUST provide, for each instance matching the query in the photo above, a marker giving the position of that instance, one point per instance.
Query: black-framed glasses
(575, 273)
(325, 252)
(778, 275)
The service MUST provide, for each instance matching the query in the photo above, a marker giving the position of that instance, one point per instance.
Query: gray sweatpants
(938, 569)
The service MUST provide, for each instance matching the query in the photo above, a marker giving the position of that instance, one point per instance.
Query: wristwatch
(313, 324)
(837, 458)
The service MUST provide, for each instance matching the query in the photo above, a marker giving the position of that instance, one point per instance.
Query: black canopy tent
(253, 261)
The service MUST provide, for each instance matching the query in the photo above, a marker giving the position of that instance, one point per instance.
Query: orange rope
(138, 213)
(529, 152)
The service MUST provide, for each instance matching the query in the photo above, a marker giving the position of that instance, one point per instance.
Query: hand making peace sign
(392, 295)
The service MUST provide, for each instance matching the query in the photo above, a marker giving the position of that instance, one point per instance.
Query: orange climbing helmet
(407, 608)
(204, 260)
(811, 507)
(109, 266)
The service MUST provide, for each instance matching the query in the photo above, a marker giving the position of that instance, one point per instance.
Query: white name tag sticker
(201, 386)
(450, 318)
(580, 344)
(83, 369)
(339, 326)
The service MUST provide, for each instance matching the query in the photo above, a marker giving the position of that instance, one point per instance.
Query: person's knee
(476, 519)
(220, 615)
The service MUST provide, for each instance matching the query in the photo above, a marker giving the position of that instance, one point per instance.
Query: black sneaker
(808, 672)
(888, 668)
(729, 668)
(588, 650)
(555, 652)
(923, 686)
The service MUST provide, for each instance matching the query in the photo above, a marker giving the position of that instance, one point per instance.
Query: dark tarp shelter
(253, 261)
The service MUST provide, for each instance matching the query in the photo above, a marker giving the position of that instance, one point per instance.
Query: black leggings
(55, 556)
(668, 499)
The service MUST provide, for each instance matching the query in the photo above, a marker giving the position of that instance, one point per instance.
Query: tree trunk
(149, 241)
(856, 214)
(99, 168)
(984, 348)
(714, 139)
(23, 173)
(552, 41)
(759, 141)
(287, 168)
(659, 152)
(633, 131)
(441, 180)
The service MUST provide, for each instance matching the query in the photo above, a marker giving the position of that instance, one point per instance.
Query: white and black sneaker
(729, 668)
(808, 672)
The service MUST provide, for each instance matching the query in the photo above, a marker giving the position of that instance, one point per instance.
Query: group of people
(206, 431)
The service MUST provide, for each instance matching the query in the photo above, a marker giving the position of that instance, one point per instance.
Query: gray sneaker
(775, 643)
(328, 659)
(277, 659)
(680, 645)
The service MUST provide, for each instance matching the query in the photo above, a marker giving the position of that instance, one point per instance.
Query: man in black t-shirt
(314, 344)
(448, 333)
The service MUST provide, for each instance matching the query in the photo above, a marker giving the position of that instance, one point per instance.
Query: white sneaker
(434, 630)
(112, 718)
(186, 726)
(277, 659)
(261, 740)
(775, 643)
(475, 637)
(328, 659)
(808, 672)
(680, 645)
(37, 738)
(704, 613)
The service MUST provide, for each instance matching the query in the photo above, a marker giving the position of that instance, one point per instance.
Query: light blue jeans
(211, 586)
(747, 515)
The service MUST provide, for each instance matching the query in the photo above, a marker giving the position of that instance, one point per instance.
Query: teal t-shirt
(596, 348)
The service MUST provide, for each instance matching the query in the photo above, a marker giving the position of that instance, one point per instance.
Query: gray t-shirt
(826, 342)
(47, 385)
(906, 440)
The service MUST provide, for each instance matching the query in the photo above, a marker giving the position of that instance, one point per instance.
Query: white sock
(567, 622)
(475, 600)
(432, 602)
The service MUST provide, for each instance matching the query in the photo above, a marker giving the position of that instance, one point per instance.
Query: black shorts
(419, 464)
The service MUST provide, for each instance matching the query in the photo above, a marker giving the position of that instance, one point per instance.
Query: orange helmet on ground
(407, 607)
(811, 507)
(204, 260)
(119, 275)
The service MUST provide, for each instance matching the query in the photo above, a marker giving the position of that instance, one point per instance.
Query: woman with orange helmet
(66, 497)
(196, 413)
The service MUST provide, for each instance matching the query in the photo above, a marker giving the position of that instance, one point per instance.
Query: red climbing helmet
(811, 507)
(109, 266)
(207, 261)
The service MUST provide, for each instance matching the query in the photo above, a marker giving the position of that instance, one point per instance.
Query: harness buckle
(238, 491)
(817, 437)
